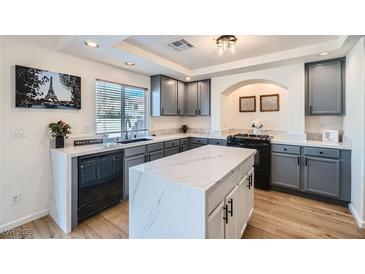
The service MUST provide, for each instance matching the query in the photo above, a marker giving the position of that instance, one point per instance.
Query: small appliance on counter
(330, 136)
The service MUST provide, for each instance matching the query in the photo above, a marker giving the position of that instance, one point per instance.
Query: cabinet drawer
(202, 141)
(216, 195)
(184, 141)
(218, 142)
(172, 151)
(154, 147)
(286, 149)
(128, 152)
(322, 152)
(172, 143)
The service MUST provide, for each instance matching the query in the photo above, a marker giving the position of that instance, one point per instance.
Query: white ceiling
(205, 51)
(152, 55)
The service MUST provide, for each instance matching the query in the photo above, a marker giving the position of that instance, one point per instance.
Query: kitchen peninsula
(202, 193)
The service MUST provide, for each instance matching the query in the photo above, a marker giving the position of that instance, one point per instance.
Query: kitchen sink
(129, 141)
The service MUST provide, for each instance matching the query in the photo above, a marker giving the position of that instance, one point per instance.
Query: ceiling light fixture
(323, 53)
(187, 78)
(130, 64)
(226, 42)
(91, 44)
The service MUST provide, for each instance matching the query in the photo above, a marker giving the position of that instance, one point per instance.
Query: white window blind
(119, 108)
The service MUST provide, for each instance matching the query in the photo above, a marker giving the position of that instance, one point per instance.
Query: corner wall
(354, 126)
(26, 169)
(292, 77)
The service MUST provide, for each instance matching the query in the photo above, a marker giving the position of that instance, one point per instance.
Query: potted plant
(59, 131)
(257, 126)
(184, 128)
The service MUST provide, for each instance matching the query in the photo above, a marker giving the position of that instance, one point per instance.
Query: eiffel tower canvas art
(37, 88)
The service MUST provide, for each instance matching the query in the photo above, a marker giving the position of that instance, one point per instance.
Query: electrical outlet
(16, 199)
(86, 129)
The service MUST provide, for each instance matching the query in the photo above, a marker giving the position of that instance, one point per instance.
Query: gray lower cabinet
(151, 156)
(325, 87)
(322, 176)
(285, 170)
(129, 162)
(172, 151)
(184, 148)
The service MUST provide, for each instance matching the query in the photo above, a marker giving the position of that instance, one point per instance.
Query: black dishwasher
(100, 182)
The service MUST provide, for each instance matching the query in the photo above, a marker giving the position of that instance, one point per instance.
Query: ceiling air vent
(181, 44)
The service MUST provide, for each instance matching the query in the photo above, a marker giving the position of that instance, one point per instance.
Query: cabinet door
(181, 98)
(250, 193)
(172, 151)
(232, 226)
(155, 155)
(192, 99)
(129, 162)
(183, 148)
(322, 176)
(204, 98)
(285, 170)
(325, 87)
(216, 223)
(168, 97)
(242, 204)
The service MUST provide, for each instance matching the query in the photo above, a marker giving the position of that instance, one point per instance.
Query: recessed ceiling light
(187, 78)
(323, 53)
(91, 44)
(131, 64)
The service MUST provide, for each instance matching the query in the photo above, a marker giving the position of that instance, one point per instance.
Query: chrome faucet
(127, 124)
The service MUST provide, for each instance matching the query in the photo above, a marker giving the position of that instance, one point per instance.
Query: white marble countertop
(199, 168)
(310, 143)
(75, 151)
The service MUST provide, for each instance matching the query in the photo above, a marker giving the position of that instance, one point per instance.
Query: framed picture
(38, 88)
(269, 102)
(248, 104)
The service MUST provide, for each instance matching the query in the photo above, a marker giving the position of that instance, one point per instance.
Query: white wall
(291, 77)
(275, 120)
(1, 155)
(26, 161)
(354, 126)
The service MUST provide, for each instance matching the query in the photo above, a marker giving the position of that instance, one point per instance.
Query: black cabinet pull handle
(310, 109)
(285, 149)
(231, 211)
(321, 152)
(225, 217)
(162, 111)
(306, 161)
(298, 160)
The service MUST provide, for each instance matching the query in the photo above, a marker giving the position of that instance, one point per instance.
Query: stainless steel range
(262, 164)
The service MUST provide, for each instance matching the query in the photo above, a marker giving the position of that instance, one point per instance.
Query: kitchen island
(202, 193)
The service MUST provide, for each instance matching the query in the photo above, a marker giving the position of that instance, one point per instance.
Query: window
(119, 108)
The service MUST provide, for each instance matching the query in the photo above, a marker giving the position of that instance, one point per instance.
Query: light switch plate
(18, 133)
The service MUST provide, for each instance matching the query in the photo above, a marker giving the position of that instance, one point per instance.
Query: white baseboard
(359, 221)
(23, 220)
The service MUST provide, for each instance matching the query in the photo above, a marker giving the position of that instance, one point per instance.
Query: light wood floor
(276, 215)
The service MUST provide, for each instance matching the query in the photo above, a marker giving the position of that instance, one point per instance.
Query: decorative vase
(60, 142)
(256, 130)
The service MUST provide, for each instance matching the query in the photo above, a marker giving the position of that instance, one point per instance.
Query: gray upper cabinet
(181, 98)
(170, 97)
(285, 170)
(192, 99)
(322, 176)
(204, 98)
(325, 87)
(164, 96)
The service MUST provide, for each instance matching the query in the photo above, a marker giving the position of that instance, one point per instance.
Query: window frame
(123, 86)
